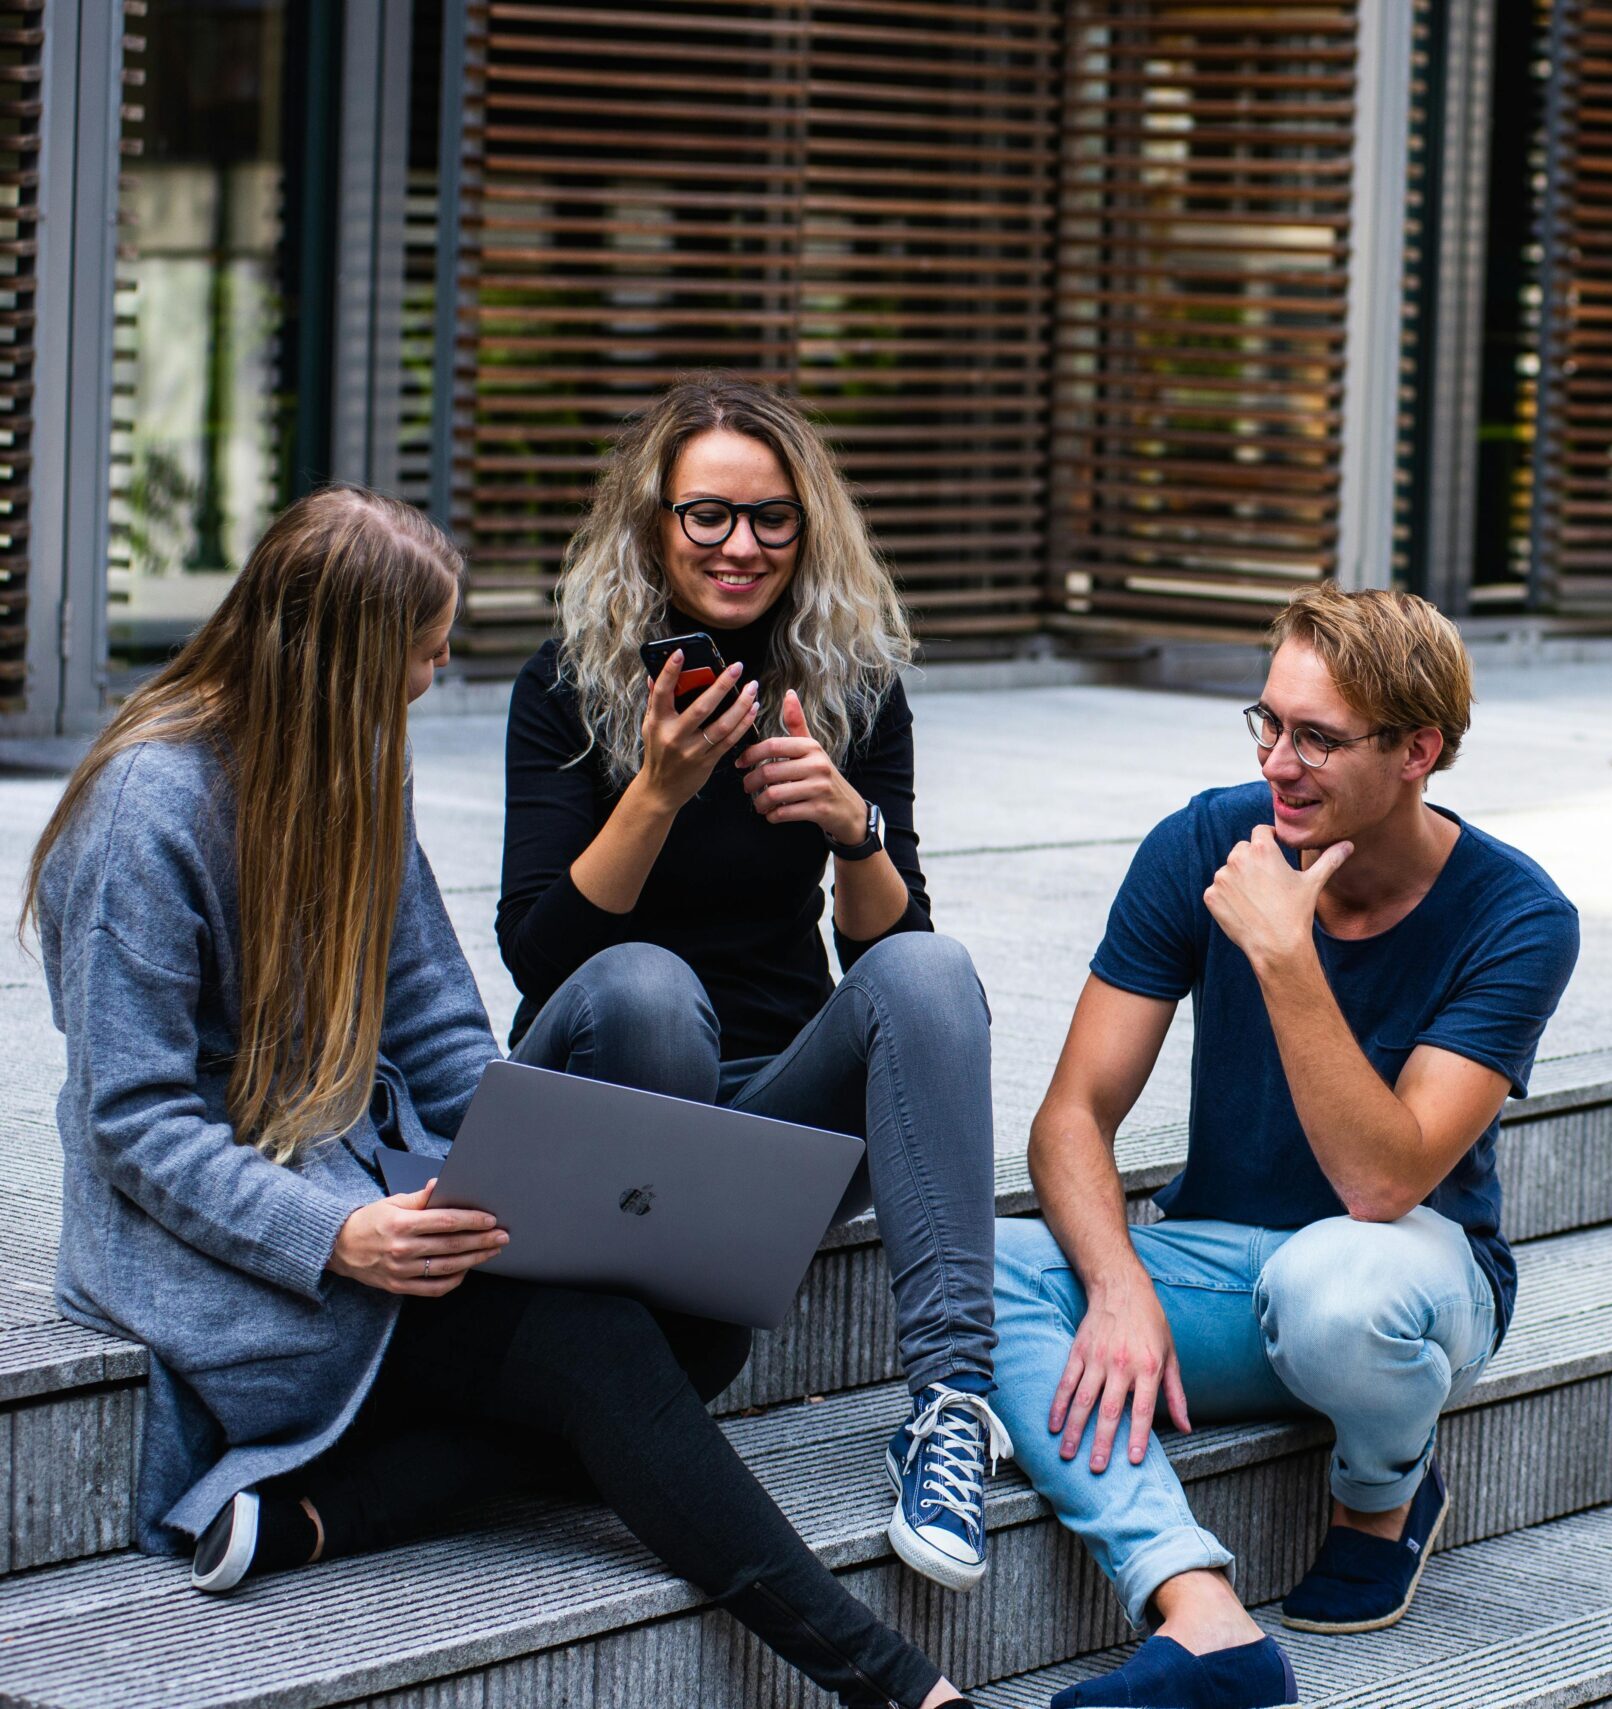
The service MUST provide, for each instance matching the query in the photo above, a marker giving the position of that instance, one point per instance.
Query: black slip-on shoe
(225, 1549)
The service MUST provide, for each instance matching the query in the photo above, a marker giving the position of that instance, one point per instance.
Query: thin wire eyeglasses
(775, 522)
(1313, 746)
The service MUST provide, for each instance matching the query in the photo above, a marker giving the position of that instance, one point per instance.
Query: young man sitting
(1370, 977)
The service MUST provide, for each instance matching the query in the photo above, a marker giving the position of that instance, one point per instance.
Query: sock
(969, 1382)
(285, 1535)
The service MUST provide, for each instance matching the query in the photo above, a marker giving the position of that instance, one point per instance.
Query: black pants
(498, 1377)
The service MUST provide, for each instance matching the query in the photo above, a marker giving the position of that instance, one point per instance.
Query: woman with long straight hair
(260, 989)
(663, 868)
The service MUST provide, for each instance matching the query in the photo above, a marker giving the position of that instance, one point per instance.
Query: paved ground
(1030, 804)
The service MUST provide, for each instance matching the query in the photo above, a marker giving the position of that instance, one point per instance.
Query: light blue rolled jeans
(1375, 1326)
(899, 1054)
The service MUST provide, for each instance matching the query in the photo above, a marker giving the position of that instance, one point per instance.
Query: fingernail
(503, 1240)
(752, 689)
(676, 658)
(736, 667)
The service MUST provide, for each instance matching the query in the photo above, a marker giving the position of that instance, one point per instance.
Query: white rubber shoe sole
(239, 1545)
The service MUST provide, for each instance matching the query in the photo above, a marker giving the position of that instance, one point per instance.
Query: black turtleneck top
(738, 899)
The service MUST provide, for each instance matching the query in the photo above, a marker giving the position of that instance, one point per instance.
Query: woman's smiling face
(733, 584)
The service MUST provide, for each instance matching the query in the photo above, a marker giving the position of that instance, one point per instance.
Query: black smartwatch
(870, 844)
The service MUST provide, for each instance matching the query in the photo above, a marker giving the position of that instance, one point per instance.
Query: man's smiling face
(1357, 788)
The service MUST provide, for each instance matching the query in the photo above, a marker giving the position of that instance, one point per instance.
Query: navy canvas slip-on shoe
(1360, 1583)
(1164, 1675)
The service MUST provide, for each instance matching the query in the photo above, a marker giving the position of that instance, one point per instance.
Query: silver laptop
(682, 1205)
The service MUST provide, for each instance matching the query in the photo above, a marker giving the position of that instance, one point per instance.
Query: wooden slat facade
(1067, 282)
(1203, 281)
(21, 51)
(1573, 496)
(852, 200)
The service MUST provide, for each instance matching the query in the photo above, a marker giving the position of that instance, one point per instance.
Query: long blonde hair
(298, 682)
(842, 634)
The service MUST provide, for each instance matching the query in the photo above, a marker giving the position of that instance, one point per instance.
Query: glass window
(216, 324)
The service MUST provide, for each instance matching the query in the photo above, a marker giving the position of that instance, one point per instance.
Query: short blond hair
(1394, 657)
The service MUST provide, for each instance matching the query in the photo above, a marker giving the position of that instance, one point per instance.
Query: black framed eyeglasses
(709, 521)
(1314, 747)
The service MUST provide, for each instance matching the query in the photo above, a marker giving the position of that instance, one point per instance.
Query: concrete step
(554, 1603)
(70, 1399)
(1522, 1619)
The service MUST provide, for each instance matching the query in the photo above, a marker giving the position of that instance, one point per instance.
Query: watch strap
(870, 844)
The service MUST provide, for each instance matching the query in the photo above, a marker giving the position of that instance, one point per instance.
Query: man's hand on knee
(1123, 1349)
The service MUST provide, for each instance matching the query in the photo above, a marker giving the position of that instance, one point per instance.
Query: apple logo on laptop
(637, 1200)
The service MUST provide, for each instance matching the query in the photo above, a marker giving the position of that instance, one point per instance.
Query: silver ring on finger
(708, 742)
(428, 1269)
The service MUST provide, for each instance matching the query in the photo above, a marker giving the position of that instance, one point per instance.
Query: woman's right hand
(400, 1247)
(679, 756)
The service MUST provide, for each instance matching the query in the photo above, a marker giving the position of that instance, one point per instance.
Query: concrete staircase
(551, 1603)
(1525, 1618)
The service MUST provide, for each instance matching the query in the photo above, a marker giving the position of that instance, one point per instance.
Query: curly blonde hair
(842, 635)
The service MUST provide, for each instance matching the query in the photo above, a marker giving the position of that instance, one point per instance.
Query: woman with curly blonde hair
(663, 868)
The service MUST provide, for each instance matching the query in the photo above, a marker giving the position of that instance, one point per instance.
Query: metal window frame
(49, 600)
(373, 150)
(1376, 285)
(445, 301)
(70, 478)
(1457, 378)
(69, 501)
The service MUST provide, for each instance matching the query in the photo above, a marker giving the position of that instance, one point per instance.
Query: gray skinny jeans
(900, 1055)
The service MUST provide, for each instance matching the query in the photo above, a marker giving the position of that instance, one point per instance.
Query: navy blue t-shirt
(1476, 968)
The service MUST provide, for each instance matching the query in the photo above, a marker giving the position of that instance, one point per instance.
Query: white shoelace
(953, 1422)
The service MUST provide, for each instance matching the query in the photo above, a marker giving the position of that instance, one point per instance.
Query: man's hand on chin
(1264, 905)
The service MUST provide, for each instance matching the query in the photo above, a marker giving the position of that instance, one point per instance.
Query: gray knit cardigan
(172, 1233)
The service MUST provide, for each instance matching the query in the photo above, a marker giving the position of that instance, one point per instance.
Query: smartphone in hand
(702, 664)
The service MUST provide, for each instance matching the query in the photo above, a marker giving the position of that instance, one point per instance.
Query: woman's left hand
(791, 778)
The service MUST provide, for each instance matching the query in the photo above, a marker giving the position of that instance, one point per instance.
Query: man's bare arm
(1384, 1149)
(1123, 1348)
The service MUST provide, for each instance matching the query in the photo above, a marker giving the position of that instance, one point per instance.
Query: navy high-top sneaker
(936, 1461)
